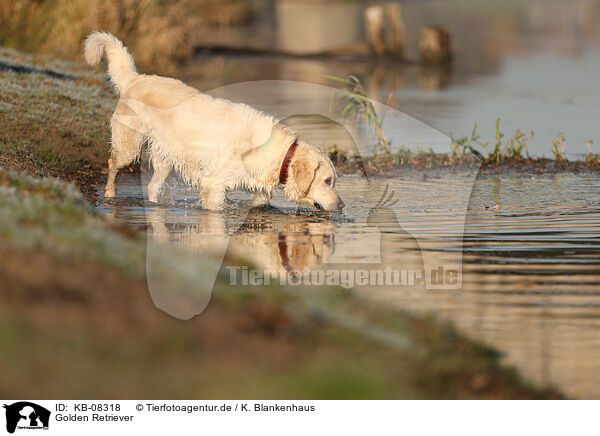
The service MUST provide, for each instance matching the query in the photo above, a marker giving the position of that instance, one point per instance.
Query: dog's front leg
(213, 199)
(110, 190)
(161, 172)
(261, 198)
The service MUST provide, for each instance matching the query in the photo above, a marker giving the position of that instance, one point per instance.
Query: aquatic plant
(461, 146)
(519, 143)
(496, 155)
(592, 158)
(353, 101)
(470, 150)
(559, 147)
(511, 148)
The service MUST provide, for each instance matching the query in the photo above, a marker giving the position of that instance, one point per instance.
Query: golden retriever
(215, 145)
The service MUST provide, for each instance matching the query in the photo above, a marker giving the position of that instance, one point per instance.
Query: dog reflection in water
(270, 239)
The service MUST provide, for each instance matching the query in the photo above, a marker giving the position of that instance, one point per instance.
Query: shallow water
(529, 262)
(526, 247)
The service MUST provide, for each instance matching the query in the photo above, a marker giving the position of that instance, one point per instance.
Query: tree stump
(374, 29)
(434, 45)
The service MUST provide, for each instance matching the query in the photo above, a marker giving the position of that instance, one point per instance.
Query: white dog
(214, 144)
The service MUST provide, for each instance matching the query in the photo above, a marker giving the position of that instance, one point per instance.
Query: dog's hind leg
(126, 146)
(161, 172)
(110, 189)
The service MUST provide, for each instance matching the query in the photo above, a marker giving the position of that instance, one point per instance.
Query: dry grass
(157, 32)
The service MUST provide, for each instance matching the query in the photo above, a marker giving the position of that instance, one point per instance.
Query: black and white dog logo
(26, 415)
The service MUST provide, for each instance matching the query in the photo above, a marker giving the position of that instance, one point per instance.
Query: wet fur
(214, 144)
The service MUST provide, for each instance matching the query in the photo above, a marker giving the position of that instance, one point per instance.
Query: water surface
(529, 257)
(527, 246)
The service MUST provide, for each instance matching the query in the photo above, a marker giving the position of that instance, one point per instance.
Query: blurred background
(531, 63)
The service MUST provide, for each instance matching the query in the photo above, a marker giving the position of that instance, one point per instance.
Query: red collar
(283, 172)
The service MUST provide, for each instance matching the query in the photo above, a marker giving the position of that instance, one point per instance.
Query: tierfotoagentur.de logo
(24, 415)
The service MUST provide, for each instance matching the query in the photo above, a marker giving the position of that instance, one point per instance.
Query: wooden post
(374, 25)
(434, 45)
(395, 42)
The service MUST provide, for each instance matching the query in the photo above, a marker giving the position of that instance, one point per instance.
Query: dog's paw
(214, 207)
(260, 199)
(257, 203)
(215, 201)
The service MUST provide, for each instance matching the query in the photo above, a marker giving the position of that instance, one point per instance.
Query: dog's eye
(328, 181)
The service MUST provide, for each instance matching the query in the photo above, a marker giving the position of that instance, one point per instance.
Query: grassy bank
(53, 118)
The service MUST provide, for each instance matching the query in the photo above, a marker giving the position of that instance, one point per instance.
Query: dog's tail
(121, 68)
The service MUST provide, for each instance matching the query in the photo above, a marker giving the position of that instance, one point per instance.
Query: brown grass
(159, 33)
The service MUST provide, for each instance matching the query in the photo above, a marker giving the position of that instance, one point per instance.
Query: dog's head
(311, 175)
(311, 179)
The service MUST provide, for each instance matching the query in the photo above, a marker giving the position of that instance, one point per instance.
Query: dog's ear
(263, 162)
(304, 170)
